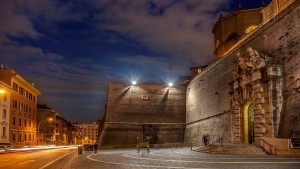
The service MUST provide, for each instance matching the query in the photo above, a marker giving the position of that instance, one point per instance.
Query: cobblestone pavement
(178, 159)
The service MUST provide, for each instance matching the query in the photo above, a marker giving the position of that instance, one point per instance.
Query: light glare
(170, 84)
(133, 82)
(2, 91)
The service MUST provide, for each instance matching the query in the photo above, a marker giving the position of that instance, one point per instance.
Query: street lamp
(2, 91)
(38, 135)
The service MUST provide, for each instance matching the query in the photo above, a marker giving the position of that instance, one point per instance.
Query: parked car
(5, 146)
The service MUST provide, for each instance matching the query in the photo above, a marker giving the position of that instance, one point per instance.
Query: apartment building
(22, 108)
(86, 133)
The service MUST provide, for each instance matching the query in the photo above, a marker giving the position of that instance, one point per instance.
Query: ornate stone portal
(256, 97)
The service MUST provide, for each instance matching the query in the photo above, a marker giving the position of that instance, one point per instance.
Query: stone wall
(208, 101)
(129, 108)
(208, 93)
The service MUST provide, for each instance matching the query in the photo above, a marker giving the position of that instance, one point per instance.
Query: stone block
(258, 107)
(256, 86)
(235, 85)
(260, 121)
(256, 76)
(260, 130)
(260, 100)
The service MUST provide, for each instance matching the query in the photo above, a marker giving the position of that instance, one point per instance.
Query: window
(231, 37)
(29, 123)
(25, 123)
(25, 137)
(26, 93)
(14, 137)
(20, 106)
(15, 87)
(14, 120)
(20, 137)
(20, 122)
(4, 114)
(4, 132)
(15, 104)
(21, 91)
(34, 98)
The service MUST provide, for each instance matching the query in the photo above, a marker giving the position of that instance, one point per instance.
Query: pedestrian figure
(251, 138)
(96, 147)
(205, 140)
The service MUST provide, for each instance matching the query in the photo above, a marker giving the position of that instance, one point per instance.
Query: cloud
(177, 32)
(14, 24)
(182, 28)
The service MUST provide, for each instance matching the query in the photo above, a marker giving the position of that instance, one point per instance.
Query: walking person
(96, 147)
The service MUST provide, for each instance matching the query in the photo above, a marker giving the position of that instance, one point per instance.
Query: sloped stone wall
(131, 107)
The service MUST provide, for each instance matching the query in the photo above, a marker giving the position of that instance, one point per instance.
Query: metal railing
(267, 147)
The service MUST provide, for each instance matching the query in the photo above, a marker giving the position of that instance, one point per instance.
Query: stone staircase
(232, 149)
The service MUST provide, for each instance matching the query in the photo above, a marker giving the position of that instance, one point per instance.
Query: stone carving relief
(246, 64)
(258, 81)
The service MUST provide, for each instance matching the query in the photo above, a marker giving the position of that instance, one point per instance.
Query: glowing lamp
(2, 91)
(133, 82)
(170, 84)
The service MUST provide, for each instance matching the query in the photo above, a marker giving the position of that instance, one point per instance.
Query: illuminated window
(217, 43)
(250, 28)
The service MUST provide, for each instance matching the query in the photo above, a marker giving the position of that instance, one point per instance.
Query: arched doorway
(248, 123)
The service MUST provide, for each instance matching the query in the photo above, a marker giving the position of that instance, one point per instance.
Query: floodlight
(170, 84)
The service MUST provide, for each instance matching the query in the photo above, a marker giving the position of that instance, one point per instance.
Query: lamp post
(38, 135)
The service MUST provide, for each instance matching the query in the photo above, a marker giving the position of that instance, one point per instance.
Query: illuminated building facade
(5, 91)
(86, 133)
(22, 111)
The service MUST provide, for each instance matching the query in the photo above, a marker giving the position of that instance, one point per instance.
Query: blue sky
(71, 49)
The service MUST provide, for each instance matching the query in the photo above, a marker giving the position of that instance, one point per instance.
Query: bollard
(210, 148)
(191, 146)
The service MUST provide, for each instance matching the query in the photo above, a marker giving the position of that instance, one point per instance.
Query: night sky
(70, 50)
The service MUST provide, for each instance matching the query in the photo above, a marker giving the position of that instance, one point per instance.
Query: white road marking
(140, 165)
(46, 165)
(218, 162)
(225, 158)
(26, 162)
(229, 158)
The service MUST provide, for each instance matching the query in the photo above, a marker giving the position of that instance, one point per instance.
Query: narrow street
(34, 159)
